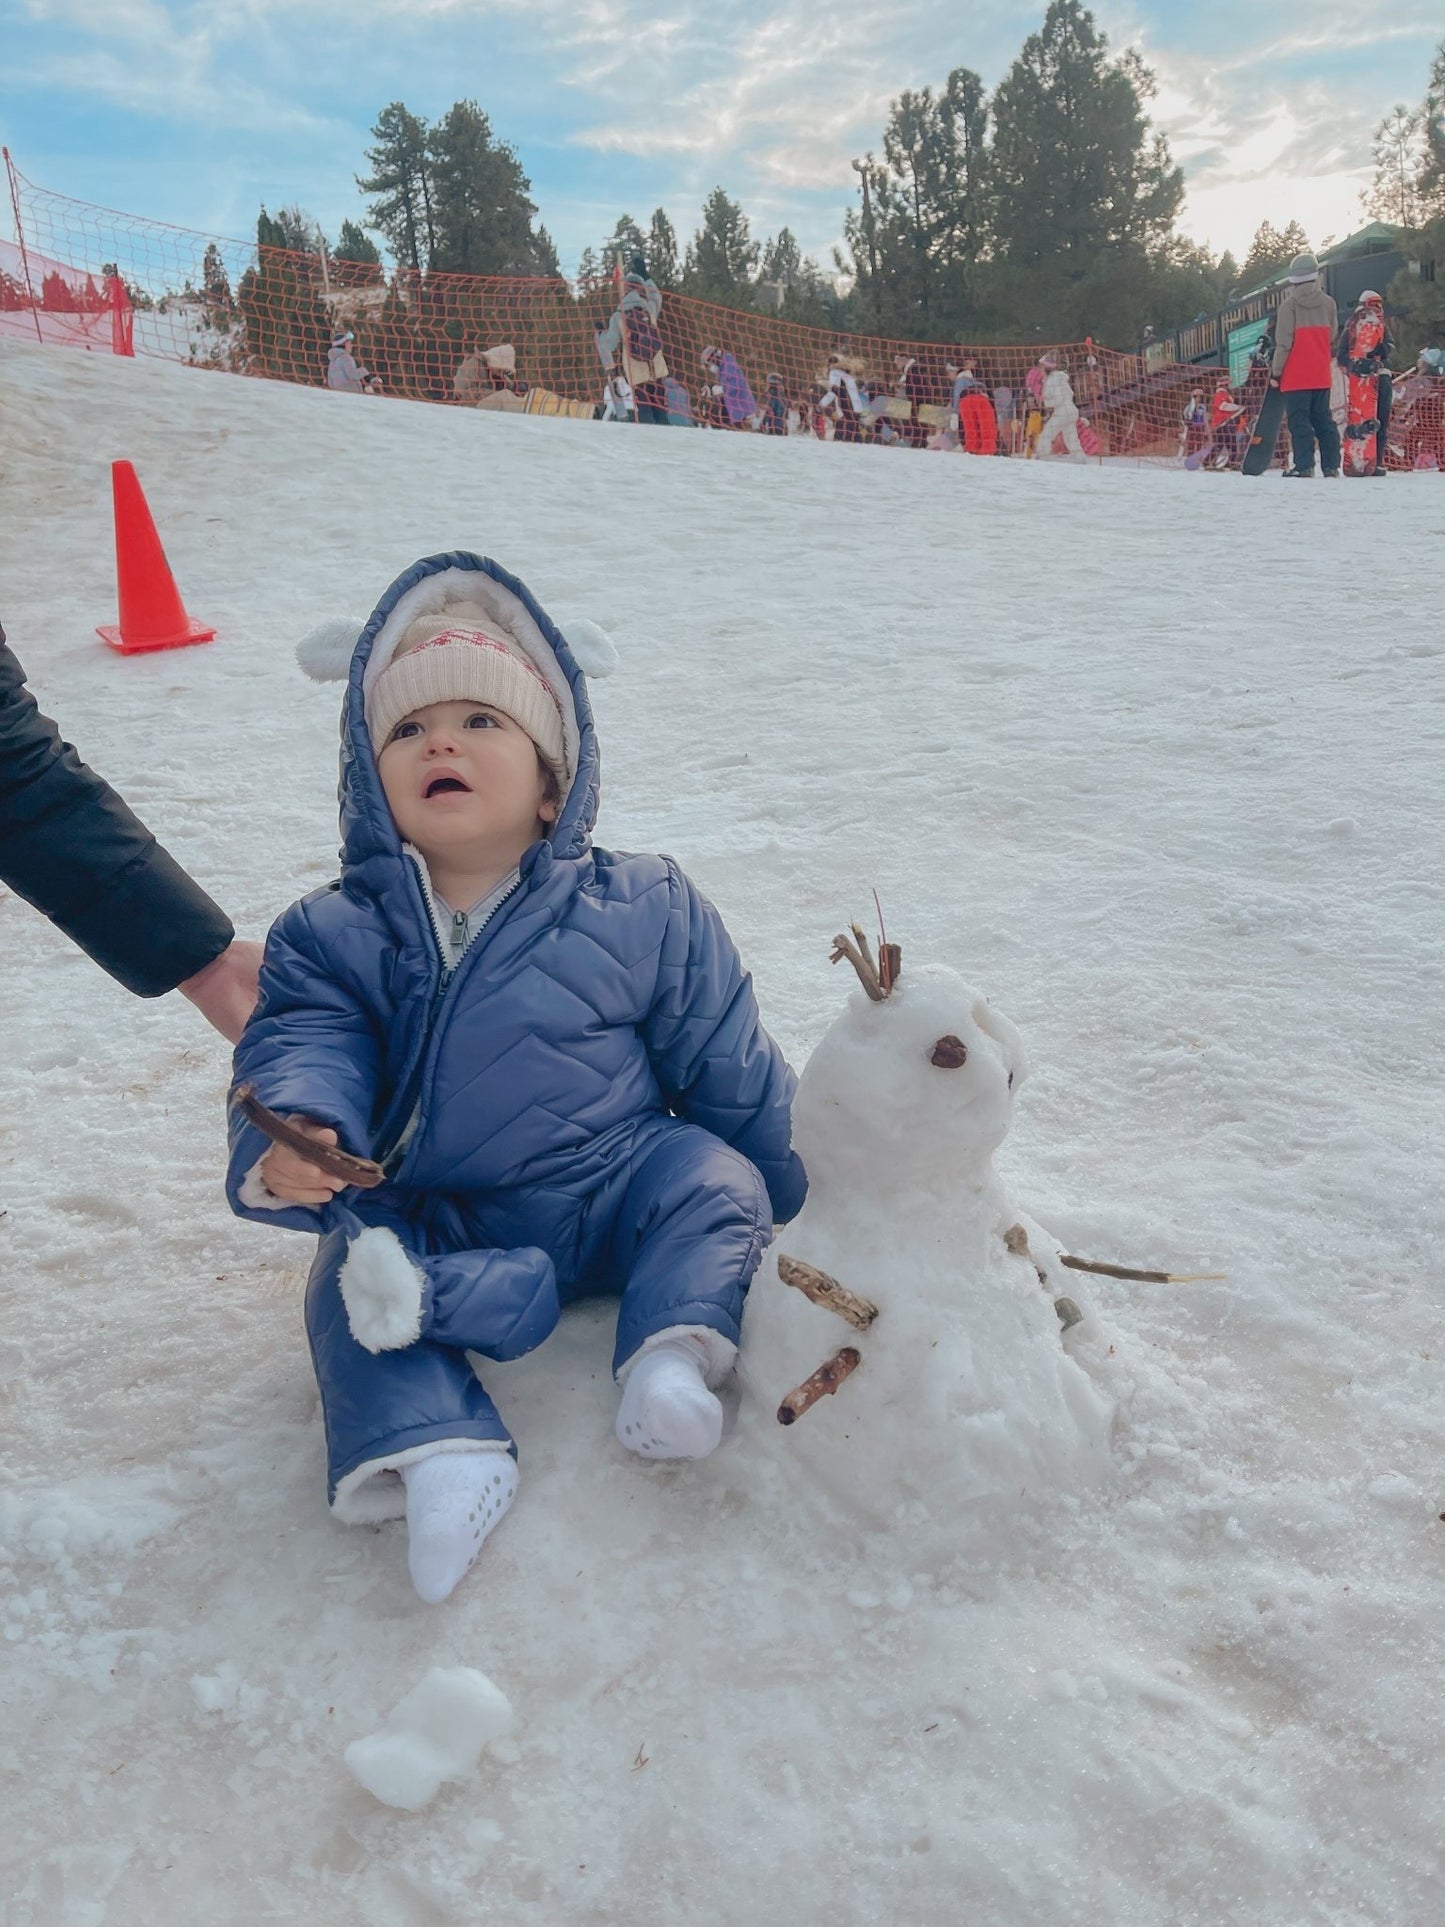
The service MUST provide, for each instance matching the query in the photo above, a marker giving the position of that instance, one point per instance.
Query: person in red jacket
(977, 423)
(1304, 347)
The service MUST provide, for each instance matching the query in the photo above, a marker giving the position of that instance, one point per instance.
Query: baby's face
(460, 776)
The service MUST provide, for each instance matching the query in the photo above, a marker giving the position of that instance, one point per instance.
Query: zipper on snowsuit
(395, 1152)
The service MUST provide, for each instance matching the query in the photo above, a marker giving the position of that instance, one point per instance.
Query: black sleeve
(70, 846)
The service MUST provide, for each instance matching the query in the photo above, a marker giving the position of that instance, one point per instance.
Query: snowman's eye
(949, 1053)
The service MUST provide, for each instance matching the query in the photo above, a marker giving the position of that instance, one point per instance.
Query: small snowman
(952, 1406)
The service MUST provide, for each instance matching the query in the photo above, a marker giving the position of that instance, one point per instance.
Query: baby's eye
(408, 726)
(481, 719)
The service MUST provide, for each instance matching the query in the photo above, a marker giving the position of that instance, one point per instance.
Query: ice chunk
(437, 1733)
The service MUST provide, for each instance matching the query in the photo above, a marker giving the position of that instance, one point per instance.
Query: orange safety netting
(45, 300)
(541, 346)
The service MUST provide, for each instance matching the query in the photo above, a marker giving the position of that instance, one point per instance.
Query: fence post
(20, 238)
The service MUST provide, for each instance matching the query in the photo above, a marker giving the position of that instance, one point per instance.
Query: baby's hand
(286, 1174)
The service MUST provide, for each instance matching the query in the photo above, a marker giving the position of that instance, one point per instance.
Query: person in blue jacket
(552, 1050)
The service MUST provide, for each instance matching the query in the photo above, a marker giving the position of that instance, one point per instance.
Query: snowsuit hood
(373, 860)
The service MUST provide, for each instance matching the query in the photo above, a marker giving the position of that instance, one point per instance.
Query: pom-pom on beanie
(449, 657)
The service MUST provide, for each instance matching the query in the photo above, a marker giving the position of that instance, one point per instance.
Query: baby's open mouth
(441, 785)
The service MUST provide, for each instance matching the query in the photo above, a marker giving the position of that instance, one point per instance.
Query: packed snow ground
(1155, 760)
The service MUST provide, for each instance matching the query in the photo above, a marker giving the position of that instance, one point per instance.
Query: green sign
(1241, 344)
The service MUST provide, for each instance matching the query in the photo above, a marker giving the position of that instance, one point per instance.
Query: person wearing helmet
(1363, 351)
(343, 372)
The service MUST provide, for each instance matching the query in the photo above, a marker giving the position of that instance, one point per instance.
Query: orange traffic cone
(152, 615)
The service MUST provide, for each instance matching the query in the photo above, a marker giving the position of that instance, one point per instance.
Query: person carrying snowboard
(632, 334)
(1363, 351)
(552, 1051)
(1304, 334)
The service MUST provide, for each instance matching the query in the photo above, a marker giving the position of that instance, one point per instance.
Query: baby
(553, 1051)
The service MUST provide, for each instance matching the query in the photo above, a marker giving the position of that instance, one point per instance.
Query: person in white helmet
(1061, 412)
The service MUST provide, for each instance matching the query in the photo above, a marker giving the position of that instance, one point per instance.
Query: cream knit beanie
(449, 657)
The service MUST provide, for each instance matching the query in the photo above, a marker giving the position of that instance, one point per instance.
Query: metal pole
(20, 238)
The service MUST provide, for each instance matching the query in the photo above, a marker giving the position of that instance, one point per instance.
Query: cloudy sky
(196, 111)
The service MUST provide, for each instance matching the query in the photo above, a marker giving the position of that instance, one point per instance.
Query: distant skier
(1226, 426)
(731, 386)
(343, 372)
(775, 407)
(1061, 414)
(977, 422)
(1304, 334)
(1363, 351)
(843, 402)
(1193, 424)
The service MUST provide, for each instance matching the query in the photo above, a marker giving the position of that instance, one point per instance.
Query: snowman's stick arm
(827, 1292)
(826, 1380)
(1144, 1277)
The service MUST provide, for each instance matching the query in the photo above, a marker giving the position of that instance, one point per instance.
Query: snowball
(437, 1733)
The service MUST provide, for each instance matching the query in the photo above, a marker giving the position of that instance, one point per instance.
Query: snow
(436, 1734)
(1152, 760)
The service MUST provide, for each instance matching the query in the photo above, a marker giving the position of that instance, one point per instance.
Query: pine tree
(1419, 298)
(1080, 187)
(400, 179)
(722, 258)
(482, 206)
(626, 240)
(924, 223)
(592, 275)
(353, 245)
(661, 250)
(1266, 251)
(215, 283)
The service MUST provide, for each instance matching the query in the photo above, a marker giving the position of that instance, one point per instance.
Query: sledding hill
(1195, 860)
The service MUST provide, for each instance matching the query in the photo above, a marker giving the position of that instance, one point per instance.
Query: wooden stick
(1145, 1277)
(860, 937)
(867, 975)
(890, 957)
(822, 1384)
(364, 1173)
(827, 1292)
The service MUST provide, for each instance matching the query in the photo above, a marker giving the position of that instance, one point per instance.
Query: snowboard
(1362, 421)
(1265, 433)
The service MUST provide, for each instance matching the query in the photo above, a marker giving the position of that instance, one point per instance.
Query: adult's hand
(225, 991)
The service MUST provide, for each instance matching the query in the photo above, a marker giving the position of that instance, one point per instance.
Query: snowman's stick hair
(856, 950)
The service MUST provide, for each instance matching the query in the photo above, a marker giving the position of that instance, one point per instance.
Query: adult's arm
(71, 847)
(1283, 336)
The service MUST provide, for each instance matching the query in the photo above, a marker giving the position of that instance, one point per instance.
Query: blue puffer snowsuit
(596, 1105)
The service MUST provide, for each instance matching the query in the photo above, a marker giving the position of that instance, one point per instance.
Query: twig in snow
(1145, 1277)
